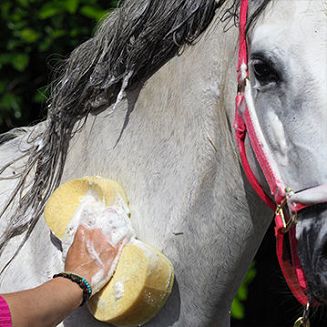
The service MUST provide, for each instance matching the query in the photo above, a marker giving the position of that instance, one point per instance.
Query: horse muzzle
(311, 233)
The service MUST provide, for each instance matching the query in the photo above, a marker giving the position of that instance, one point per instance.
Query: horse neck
(169, 140)
(177, 162)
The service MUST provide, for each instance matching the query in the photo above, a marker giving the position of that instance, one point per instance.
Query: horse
(149, 102)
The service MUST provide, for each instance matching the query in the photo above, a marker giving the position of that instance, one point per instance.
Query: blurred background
(35, 37)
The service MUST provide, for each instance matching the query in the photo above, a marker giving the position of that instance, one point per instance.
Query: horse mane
(12, 134)
(128, 46)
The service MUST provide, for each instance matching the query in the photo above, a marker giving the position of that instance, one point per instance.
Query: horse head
(287, 56)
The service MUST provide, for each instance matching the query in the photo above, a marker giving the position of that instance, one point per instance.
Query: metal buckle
(290, 222)
(287, 225)
(303, 321)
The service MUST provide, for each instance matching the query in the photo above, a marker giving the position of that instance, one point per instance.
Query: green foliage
(238, 310)
(35, 35)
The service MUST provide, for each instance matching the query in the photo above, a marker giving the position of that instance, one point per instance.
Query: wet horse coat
(177, 161)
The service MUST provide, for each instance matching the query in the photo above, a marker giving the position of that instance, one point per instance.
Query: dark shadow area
(55, 241)
(131, 97)
(270, 302)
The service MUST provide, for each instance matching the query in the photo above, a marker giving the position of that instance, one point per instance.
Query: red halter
(247, 123)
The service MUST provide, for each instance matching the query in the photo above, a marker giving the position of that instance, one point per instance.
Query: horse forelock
(129, 46)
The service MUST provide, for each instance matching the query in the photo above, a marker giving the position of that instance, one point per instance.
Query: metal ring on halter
(306, 312)
(304, 321)
(290, 222)
(280, 211)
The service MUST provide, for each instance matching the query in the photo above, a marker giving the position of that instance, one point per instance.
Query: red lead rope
(286, 243)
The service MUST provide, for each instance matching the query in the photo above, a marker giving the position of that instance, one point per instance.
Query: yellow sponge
(143, 278)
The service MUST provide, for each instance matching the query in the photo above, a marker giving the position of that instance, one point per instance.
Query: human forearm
(52, 302)
(46, 305)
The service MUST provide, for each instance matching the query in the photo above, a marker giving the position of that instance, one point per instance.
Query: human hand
(91, 256)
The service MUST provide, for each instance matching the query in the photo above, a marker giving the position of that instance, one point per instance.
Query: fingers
(80, 236)
(90, 253)
(86, 238)
(79, 242)
(105, 250)
(99, 240)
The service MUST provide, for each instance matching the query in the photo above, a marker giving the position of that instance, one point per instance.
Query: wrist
(70, 288)
(79, 272)
(79, 281)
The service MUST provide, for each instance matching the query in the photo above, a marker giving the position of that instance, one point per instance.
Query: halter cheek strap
(246, 123)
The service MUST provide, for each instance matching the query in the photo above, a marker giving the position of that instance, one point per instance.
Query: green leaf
(17, 25)
(29, 35)
(20, 61)
(23, 3)
(93, 12)
(237, 310)
(250, 274)
(14, 44)
(58, 33)
(71, 6)
(49, 10)
(10, 101)
(45, 45)
(40, 95)
(18, 16)
(242, 293)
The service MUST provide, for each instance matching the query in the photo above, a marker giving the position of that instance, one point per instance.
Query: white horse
(176, 156)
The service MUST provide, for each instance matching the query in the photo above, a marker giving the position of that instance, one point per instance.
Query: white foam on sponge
(119, 290)
(114, 223)
(92, 212)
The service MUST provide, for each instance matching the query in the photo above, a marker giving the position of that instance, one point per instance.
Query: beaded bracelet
(81, 281)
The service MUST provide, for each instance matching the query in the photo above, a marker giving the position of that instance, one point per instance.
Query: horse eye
(264, 72)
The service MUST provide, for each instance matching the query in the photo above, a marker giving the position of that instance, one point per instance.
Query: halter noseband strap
(246, 123)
